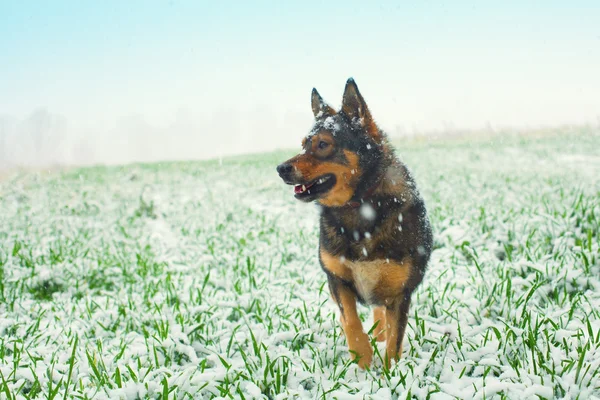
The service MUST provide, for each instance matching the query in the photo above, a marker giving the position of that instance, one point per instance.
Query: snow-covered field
(201, 280)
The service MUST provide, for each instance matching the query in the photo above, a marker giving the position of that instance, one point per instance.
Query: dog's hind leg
(379, 319)
(396, 317)
(358, 341)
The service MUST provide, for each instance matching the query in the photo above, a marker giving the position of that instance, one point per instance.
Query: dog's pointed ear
(355, 107)
(319, 107)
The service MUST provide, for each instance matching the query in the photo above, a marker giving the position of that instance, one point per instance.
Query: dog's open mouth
(311, 190)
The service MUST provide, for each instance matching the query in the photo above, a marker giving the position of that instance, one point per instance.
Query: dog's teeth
(303, 188)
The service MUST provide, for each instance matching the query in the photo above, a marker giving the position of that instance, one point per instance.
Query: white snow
(205, 277)
(367, 211)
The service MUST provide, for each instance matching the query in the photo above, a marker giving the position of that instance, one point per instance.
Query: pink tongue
(301, 188)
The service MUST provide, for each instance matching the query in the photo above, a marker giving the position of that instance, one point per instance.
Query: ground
(201, 280)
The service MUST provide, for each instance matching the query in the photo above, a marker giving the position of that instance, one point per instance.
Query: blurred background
(126, 81)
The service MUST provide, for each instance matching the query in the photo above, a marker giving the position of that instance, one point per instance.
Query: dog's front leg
(358, 341)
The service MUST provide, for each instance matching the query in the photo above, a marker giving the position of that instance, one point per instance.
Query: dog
(375, 235)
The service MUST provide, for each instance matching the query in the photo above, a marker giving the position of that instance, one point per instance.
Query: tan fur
(346, 176)
(378, 278)
(358, 341)
(310, 168)
(379, 319)
(381, 279)
(335, 266)
(322, 137)
(392, 277)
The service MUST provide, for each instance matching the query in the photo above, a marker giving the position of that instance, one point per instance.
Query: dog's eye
(323, 145)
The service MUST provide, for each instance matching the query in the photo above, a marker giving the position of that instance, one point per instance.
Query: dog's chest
(367, 276)
(378, 282)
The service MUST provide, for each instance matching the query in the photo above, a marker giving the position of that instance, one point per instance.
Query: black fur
(396, 228)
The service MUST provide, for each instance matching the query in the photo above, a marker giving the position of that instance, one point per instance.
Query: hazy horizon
(119, 82)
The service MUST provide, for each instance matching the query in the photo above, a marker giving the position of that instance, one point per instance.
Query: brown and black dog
(375, 238)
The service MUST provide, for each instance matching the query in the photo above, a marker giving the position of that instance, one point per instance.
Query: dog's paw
(392, 354)
(361, 350)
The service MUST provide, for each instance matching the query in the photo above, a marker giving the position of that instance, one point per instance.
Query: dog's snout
(284, 169)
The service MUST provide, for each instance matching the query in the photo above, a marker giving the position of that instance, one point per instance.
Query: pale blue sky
(247, 68)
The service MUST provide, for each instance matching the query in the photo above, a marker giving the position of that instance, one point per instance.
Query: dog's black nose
(284, 169)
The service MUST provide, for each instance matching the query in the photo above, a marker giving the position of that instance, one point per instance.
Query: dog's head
(340, 151)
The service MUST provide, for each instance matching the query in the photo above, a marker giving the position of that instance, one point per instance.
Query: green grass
(200, 279)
